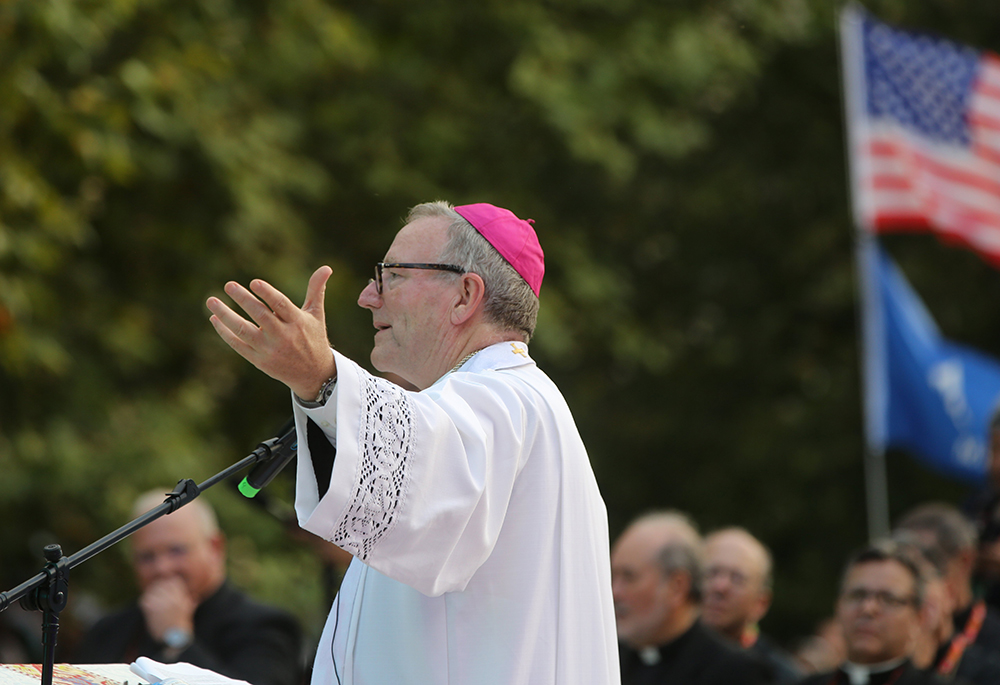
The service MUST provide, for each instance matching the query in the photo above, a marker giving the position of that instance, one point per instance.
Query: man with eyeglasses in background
(656, 570)
(737, 594)
(878, 610)
(188, 610)
(480, 536)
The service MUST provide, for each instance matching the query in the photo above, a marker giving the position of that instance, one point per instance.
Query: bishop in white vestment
(479, 535)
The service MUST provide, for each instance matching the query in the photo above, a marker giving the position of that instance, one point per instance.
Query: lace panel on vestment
(386, 442)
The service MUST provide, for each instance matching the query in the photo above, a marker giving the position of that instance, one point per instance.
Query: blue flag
(924, 394)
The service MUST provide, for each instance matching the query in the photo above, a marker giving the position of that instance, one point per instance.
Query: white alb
(479, 534)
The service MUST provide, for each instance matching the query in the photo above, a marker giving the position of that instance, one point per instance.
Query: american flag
(923, 119)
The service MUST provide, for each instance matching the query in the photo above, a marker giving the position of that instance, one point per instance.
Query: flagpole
(870, 323)
(876, 494)
(873, 388)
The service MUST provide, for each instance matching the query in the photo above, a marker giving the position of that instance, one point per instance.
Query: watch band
(325, 391)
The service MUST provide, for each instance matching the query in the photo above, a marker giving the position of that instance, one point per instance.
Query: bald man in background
(737, 593)
(656, 569)
(188, 611)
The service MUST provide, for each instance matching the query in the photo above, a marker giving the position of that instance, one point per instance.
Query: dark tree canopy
(684, 163)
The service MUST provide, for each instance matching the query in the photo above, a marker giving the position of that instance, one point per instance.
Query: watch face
(175, 638)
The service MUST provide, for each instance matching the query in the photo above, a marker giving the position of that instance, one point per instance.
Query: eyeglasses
(883, 598)
(736, 578)
(435, 267)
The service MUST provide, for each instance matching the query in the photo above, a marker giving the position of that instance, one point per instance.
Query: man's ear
(966, 561)
(217, 543)
(761, 605)
(679, 582)
(470, 298)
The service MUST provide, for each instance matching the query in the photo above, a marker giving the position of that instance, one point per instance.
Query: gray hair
(952, 533)
(683, 554)
(509, 302)
(934, 561)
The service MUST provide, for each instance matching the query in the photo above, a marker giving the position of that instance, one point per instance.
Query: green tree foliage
(684, 163)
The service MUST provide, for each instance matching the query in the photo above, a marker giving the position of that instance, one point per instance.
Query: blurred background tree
(684, 163)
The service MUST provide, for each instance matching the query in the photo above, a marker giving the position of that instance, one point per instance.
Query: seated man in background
(656, 569)
(940, 648)
(189, 612)
(737, 594)
(942, 532)
(881, 596)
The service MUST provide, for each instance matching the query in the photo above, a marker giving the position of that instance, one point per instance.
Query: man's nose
(369, 297)
(718, 583)
(870, 605)
(160, 566)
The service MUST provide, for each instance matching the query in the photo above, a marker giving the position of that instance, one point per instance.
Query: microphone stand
(48, 591)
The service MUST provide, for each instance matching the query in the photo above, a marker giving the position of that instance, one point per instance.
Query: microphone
(274, 455)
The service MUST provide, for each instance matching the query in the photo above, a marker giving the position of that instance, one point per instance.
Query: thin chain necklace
(465, 359)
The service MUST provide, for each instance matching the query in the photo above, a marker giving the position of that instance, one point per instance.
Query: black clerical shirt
(697, 657)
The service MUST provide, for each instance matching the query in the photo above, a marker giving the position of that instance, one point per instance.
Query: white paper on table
(155, 672)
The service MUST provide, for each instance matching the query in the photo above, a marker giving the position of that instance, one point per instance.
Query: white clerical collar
(496, 357)
(502, 355)
(859, 674)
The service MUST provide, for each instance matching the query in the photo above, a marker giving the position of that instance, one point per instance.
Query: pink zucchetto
(513, 238)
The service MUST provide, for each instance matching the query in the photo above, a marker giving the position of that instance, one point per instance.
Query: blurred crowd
(187, 609)
(912, 608)
(920, 606)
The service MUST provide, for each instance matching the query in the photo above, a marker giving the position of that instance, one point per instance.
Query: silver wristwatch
(177, 638)
(325, 391)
